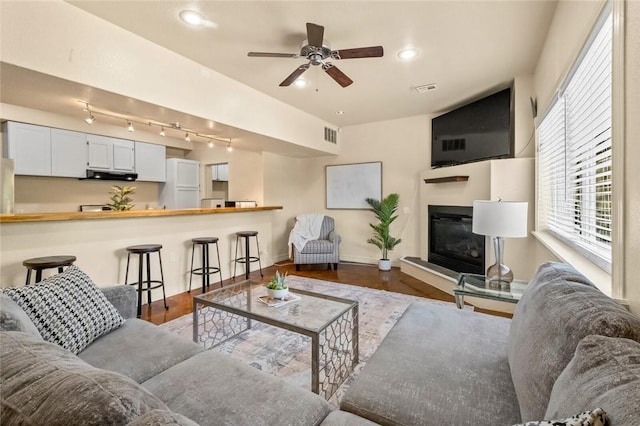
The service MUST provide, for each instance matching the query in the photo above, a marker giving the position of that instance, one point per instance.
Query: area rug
(288, 355)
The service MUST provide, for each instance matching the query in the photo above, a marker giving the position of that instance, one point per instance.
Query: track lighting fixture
(229, 148)
(90, 117)
(172, 126)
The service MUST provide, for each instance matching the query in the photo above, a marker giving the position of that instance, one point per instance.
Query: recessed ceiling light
(192, 17)
(300, 82)
(408, 53)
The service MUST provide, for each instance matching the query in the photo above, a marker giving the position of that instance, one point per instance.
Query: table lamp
(500, 219)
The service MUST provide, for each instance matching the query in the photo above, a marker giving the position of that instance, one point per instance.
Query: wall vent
(330, 135)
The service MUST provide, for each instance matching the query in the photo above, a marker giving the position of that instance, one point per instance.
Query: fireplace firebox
(451, 243)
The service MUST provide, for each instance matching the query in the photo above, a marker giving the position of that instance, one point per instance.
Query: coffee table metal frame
(334, 338)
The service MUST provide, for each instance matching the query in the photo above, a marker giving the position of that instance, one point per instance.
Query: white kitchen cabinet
(29, 147)
(150, 161)
(105, 153)
(68, 153)
(182, 188)
(220, 172)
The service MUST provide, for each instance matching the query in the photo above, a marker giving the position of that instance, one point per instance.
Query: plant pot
(278, 294)
(384, 264)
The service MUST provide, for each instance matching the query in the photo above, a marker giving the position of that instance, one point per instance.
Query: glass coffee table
(330, 322)
(479, 286)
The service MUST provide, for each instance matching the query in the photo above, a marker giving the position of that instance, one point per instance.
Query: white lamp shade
(500, 218)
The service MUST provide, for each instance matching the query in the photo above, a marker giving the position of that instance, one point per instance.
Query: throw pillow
(597, 417)
(67, 309)
(604, 372)
(43, 384)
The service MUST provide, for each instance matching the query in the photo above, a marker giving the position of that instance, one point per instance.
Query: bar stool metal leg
(164, 297)
(219, 269)
(193, 250)
(259, 263)
(235, 262)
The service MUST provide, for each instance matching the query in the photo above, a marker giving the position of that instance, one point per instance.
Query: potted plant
(120, 199)
(277, 287)
(385, 213)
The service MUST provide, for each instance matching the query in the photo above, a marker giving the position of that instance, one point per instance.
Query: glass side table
(479, 286)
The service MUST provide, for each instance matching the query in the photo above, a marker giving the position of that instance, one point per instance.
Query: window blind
(574, 154)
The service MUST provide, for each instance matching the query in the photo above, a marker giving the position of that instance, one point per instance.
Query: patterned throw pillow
(597, 417)
(67, 309)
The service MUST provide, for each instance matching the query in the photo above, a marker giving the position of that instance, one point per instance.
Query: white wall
(403, 147)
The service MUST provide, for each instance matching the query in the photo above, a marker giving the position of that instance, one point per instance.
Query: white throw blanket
(307, 228)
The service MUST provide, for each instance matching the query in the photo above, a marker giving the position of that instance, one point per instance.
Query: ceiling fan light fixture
(407, 53)
(300, 83)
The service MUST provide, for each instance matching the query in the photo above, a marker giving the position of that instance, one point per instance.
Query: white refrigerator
(182, 188)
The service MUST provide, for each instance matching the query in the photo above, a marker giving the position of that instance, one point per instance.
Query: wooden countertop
(62, 216)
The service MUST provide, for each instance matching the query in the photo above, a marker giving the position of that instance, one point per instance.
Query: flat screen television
(480, 130)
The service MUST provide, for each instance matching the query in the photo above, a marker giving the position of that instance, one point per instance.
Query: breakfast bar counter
(99, 240)
(109, 214)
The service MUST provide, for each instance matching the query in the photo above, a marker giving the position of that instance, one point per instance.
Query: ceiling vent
(425, 88)
(330, 135)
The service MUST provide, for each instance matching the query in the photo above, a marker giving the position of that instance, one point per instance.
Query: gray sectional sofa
(137, 374)
(568, 349)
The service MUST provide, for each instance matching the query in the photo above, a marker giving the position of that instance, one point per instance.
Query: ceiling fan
(318, 52)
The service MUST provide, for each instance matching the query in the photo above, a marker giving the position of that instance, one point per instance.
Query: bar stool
(41, 263)
(206, 269)
(143, 251)
(247, 258)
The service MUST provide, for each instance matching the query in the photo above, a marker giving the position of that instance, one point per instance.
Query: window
(574, 154)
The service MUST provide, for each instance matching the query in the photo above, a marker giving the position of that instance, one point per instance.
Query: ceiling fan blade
(273, 55)
(340, 77)
(294, 75)
(315, 34)
(360, 52)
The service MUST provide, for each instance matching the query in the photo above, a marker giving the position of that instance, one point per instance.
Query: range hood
(109, 175)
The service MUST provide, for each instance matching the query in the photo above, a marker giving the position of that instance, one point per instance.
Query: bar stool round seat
(247, 259)
(205, 270)
(39, 264)
(144, 256)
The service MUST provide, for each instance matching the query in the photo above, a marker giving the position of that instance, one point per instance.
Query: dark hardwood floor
(360, 274)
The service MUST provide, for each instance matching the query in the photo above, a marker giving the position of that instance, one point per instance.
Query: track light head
(210, 143)
(186, 137)
(161, 131)
(229, 148)
(130, 127)
(89, 119)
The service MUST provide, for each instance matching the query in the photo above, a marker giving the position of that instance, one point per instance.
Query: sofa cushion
(162, 418)
(43, 384)
(67, 309)
(438, 365)
(342, 418)
(597, 417)
(604, 372)
(139, 350)
(213, 389)
(14, 318)
(558, 309)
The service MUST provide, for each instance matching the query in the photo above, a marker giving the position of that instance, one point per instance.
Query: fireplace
(451, 242)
